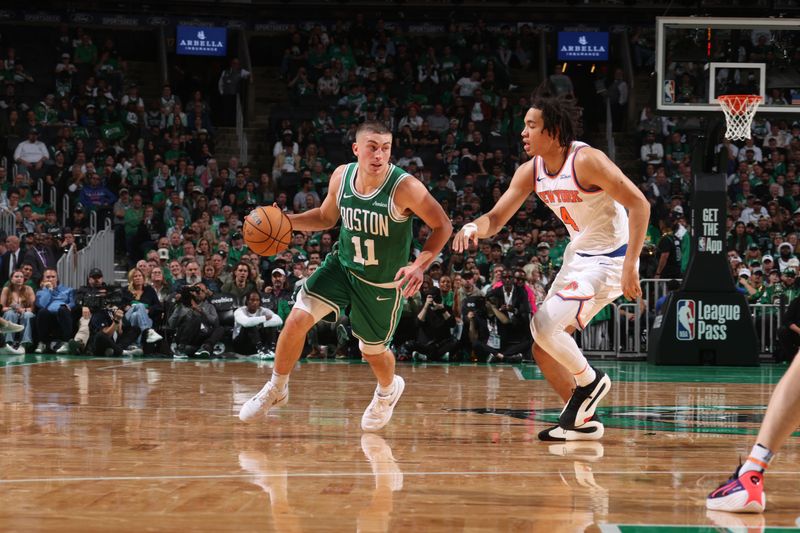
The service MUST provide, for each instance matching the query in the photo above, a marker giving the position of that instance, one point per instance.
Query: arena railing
(241, 136)
(768, 320)
(74, 266)
(64, 209)
(8, 221)
(625, 337)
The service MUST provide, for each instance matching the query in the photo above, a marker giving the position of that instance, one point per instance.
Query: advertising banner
(583, 46)
(201, 41)
(706, 321)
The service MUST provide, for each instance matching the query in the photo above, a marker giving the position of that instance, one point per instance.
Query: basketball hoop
(739, 111)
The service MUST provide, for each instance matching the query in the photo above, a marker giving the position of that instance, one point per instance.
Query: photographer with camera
(255, 327)
(434, 340)
(108, 336)
(95, 296)
(475, 332)
(196, 323)
(92, 294)
(509, 311)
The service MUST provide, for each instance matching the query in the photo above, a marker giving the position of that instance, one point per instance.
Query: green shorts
(375, 308)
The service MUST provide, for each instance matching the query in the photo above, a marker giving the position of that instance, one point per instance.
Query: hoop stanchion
(739, 111)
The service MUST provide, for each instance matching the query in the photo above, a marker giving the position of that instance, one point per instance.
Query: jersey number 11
(369, 244)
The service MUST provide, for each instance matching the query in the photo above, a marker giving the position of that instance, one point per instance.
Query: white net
(739, 111)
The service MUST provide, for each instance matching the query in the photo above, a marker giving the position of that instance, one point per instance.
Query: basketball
(267, 230)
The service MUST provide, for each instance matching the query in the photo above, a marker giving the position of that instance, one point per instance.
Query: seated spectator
(255, 327)
(209, 278)
(239, 285)
(32, 155)
(676, 152)
(18, 301)
(438, 121)
(196, 324)
(54, 318)
(159, 284)
(300, 201)
(338, 331)
(192, 276)
(96, 196)
(756, 155)
(408, 158)
(652, 151)
(143, 308)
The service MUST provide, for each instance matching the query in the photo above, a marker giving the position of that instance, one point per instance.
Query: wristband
(470, 229)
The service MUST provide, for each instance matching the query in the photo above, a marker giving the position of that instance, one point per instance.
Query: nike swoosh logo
(347, 196)
(597, 396)
(381, 299)
(539, 179)
(586, 431)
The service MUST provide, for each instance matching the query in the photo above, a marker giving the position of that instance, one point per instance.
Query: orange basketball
(267, 230)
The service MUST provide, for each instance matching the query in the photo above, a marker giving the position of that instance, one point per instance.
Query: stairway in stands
(271, 90)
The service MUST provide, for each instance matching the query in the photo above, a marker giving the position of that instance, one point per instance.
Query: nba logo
(686, 320)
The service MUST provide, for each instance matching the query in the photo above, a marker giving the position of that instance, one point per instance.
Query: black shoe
(204, 351)
(581, 406)
(514, 359)
(591, 430)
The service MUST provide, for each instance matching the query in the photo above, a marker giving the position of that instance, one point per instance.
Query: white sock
(585, 376)
(386, 391)
(758, 460)
(279, 380)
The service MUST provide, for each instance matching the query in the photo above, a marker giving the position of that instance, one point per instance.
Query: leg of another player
(744, 492)
(387, 393)
(783, 412)
(554, 372)
(290, 346)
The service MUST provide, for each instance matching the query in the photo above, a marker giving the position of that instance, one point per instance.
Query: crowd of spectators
(193, 287)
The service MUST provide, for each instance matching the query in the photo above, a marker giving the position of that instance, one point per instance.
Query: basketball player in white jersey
(590, 195)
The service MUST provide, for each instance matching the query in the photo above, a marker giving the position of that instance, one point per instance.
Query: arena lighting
(563, 67)
(592, 70)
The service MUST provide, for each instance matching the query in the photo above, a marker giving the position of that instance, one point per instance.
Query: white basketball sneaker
(267, 398)
(380, 409)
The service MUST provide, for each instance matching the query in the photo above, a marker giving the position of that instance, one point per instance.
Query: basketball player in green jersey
(367, 270)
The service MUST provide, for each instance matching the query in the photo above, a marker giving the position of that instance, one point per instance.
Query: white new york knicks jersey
(596, 223)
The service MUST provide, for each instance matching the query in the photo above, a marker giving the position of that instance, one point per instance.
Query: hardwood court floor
(154, 445)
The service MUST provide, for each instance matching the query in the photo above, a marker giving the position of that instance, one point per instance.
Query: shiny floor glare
(155, 444)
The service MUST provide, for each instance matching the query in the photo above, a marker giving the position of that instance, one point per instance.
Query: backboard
(701, 58)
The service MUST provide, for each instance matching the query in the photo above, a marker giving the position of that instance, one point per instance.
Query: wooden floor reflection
(99, 445)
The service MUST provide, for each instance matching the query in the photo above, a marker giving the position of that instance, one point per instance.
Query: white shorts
(594, 282)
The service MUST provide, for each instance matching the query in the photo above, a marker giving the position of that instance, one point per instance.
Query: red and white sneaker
(740, 494)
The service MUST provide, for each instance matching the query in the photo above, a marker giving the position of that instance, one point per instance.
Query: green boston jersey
(374, 240)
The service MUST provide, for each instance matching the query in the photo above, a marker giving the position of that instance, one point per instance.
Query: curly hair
(560, 113)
